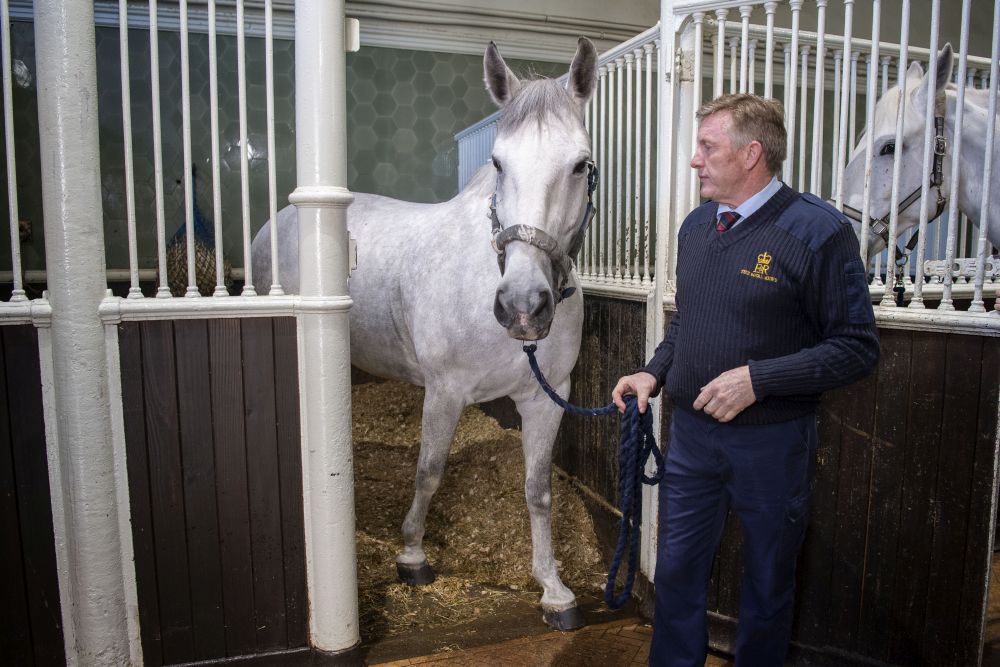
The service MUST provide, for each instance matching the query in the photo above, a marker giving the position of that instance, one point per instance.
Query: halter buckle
(940, 145)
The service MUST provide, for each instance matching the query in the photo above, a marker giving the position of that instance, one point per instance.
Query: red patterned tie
(726, 220)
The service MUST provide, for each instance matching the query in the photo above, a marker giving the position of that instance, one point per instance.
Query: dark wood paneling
(194, 400)
(857, 414)
(15, 619)
(167, 491)
(978, 555)
(951, 507)
(887, 446)
(263, 482)
(613, 345)
(290, 465)
(35, 631)
(916, 521)
(226, 353)
(144, 549)
(212, 432)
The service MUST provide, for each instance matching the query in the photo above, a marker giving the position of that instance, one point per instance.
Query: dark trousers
(764, 473)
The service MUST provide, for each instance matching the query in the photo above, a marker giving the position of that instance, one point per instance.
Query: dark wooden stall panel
(30, 617)
(614, 344)
(212, 435)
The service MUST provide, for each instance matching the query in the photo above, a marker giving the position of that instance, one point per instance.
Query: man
(772, 310)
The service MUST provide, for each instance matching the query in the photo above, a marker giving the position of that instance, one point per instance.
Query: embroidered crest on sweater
(760, 272)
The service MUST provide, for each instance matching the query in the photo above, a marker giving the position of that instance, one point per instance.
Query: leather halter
(562, 262)
(880, 226)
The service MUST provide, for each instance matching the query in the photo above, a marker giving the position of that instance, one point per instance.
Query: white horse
(970, 176)
(428, 294)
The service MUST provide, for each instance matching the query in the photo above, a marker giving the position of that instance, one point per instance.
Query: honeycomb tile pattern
(404, 108)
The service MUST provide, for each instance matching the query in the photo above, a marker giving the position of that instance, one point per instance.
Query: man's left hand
(727, 395)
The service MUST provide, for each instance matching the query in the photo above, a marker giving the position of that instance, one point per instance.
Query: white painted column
(322, 198)
(89, 538)
(664, 265)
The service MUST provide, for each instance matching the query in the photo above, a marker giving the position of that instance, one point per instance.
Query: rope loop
(636, 444)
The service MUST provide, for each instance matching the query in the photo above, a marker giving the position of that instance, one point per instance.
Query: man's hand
(640, 384)
(727, 395)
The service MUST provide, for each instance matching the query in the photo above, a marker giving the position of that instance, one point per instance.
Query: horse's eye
(580, 167)
(496, 163)
(888, 149)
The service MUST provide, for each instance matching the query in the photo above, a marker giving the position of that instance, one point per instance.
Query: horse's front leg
(539, 424)
(441, 413)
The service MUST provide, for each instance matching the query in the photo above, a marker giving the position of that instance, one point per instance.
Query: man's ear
(755, 153)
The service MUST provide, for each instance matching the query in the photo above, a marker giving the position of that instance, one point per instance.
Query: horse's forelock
(538, 100)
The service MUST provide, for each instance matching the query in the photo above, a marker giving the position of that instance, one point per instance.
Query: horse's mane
(537, 100)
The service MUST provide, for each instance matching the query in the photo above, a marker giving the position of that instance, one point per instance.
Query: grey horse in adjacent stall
(428, 294)
(969, 189)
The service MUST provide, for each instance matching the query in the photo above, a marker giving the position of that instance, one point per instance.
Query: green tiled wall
(404, 108)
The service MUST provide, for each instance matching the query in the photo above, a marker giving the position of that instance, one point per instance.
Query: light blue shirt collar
(750, 206)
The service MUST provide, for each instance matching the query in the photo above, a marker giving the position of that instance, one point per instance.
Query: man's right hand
(640, 384)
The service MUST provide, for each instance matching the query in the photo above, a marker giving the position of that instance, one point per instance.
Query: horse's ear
(500, 81)
(914, 71)
(946, 59)
(583, 71)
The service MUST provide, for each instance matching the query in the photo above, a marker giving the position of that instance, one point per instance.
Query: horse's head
(543, 167)
(910, 151)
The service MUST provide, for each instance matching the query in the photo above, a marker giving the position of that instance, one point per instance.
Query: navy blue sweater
(784, 292)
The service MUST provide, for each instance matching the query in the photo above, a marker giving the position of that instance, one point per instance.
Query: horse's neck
(973, 158)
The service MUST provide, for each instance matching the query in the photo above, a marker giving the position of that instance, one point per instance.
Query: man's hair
(754, 118)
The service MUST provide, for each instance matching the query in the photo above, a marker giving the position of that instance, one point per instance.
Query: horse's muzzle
(528, 321)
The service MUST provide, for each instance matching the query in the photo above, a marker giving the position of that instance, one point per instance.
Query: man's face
(720, 166)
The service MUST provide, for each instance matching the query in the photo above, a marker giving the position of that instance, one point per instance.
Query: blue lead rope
(637, 444)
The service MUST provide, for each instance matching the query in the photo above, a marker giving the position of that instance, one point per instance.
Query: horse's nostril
(501, 311)
(541, 303)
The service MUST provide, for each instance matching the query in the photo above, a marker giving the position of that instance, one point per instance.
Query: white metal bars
(622, 121)
(18, 293)
(197, 20)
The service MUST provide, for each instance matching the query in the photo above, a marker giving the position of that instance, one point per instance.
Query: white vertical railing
(18, 294)
(133, 255)
(163, 291)
(192, 280)
(272, 186)
(213, 82)
(977, 305)
(947, 302)
(818, 89)
(917, 301)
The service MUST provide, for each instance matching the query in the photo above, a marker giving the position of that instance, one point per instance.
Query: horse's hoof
(415, 575)
(564, 619)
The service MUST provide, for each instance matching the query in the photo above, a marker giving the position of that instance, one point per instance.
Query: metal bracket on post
(352, 35)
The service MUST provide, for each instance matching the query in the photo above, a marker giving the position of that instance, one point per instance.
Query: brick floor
(615, 644)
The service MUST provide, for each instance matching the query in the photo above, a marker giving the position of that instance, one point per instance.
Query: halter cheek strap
(880, 226)
(561, 261)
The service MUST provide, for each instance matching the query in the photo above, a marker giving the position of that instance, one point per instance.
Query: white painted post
(322, 198)
(90, 540)
(663, 265)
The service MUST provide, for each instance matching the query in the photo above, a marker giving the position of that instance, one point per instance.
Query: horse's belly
(377, 347)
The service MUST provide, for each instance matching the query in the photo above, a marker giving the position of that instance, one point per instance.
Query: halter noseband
(880, 226)
(561, 261)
